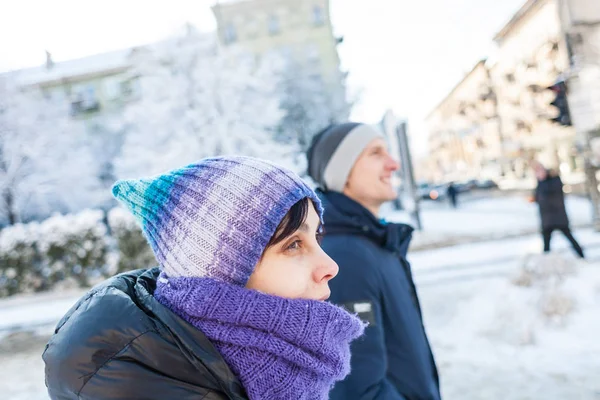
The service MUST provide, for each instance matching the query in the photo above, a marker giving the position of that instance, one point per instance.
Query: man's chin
(391, 195)
(388, 196)
(391, 198)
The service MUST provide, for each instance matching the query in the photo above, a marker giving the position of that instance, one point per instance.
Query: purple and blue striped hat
(215, 217)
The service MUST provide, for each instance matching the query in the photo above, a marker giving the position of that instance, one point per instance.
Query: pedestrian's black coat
(119, 342)
(550, 198)
(393, 360)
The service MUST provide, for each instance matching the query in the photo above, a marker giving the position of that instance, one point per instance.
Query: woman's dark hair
(292, 221)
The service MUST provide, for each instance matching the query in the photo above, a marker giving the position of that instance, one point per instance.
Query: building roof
(517, 18)
(449, 95)
(226, 3)
(101, 64)
(77, 69)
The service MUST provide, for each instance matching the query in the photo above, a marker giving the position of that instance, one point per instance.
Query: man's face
(370, 180)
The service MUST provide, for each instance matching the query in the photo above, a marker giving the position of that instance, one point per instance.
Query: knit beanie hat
(215, 217)
(334, 151)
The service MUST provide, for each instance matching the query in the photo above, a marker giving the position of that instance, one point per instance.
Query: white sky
(403, 55)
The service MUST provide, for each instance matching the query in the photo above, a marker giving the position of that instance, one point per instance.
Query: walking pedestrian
(551, 202)
(353, 168)
(236, 309)
(452, 193)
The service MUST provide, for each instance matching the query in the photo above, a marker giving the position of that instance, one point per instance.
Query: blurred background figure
(452, 193)
(551, 202)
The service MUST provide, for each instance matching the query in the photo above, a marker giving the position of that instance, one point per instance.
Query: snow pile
(534, 299)
(529, 336)
(544, 295)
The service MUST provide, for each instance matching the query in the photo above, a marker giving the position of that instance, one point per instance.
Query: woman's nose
(327, 268)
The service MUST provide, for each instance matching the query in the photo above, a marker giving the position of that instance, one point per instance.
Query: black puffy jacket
(119, 342)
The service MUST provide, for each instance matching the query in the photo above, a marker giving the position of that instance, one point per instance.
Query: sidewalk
(484, 219)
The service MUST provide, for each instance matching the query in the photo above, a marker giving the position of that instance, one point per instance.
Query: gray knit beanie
(334, 151)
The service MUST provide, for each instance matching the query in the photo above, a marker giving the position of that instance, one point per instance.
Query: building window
(112, 88)
(130, 88)
(252, 28)
(84, 99)
(230, 35)
(318, 18)
(274, 27)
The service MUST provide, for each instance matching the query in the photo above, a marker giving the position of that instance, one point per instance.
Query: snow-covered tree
(105, 137)
(310, 103)
(44, 163)
(200, 100)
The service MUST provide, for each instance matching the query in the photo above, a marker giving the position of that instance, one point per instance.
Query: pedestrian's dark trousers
(547, 234)
(453, 200)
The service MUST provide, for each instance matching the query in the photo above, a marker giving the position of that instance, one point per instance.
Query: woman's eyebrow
(304, 228)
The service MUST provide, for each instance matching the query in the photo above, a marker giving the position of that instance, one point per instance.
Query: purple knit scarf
(278, 348)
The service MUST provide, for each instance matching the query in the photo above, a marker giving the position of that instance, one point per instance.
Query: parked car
(436, 192)
(486, 184)
(423, 190)
(465, 186)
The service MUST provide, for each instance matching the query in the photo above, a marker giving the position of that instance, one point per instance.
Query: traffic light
(559, 90)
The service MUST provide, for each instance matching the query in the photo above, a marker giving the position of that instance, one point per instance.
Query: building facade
(297, 29)
(94, 86)
(464, 133)
(499, 117)
(98, 85)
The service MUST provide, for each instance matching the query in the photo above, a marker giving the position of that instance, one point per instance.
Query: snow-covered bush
(133, 249)
(21, 262)
(548, 273)
(35, 256)
(74, 246)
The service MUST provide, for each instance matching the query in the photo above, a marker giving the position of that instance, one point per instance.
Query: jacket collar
(343, 215)
(196, 347)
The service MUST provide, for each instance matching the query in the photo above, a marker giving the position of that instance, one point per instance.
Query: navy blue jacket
(393, 360)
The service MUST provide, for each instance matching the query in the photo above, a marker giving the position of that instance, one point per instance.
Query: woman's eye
(319, 238)
(294, 245)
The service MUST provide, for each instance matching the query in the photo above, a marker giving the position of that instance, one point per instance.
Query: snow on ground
(483, 255)
(484, 218)
(491, 338)
(35, 310)
(22, 374)
(491, 341)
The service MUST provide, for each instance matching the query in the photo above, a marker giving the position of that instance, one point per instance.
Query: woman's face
(296, 267)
